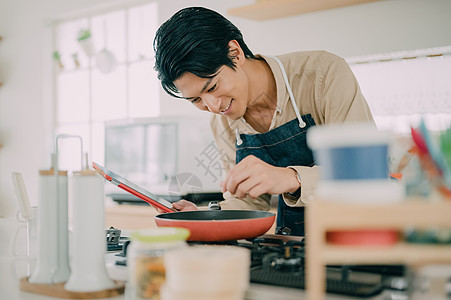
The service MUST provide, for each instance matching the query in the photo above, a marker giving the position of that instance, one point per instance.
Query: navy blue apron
(283, 146)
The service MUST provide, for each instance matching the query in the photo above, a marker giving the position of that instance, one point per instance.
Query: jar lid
(346, 135)
(161, 234)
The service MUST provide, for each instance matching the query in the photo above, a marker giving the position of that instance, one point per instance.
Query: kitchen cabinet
(273, 9)
(323, 216)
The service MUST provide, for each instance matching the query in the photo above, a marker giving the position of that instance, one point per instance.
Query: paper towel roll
(62, 231)
(48, 257)
(207, 269)
(89, 241)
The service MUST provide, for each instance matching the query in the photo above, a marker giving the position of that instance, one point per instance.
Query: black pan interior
(208, 215)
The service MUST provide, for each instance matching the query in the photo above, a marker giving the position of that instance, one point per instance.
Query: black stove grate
(281, 262)
(297, 280)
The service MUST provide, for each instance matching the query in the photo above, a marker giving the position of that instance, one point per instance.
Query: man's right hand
(184, 205)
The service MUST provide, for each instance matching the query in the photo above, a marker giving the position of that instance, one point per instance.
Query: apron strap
(239, 141)
(302, 124)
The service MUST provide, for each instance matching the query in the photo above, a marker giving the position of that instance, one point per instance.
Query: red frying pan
(204, 225)
(219, 225)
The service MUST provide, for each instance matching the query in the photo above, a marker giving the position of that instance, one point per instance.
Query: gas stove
(278, 264)
(279, 260)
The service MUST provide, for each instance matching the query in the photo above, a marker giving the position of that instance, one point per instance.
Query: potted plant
(84, 39)
(57, 58)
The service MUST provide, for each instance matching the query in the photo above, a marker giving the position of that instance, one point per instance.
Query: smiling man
(262, 108)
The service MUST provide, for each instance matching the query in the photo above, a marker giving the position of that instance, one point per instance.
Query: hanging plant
(84, 39)
(76, 61)
(84, 34)
(57, 57)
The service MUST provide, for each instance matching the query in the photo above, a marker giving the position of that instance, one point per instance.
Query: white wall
(382, 26)
(25, 60)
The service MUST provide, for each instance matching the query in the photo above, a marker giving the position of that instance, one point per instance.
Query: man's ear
(236, 53)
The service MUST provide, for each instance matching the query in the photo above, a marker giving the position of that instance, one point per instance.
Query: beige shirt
(324, 86)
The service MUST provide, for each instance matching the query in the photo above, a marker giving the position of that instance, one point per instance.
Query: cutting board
(57, 290)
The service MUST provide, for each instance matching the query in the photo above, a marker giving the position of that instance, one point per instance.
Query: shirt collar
(282, 97)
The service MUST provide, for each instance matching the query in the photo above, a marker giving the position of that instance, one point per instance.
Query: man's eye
(211, 89)
(194, 101)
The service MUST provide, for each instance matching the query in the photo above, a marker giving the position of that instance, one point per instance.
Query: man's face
(226, 93)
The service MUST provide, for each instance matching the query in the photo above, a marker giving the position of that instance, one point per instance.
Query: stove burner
(288, 258)
(273, 261)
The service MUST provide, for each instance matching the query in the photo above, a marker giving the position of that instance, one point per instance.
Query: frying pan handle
(214, 205)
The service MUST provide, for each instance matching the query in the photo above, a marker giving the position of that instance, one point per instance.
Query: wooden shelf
(387, 216)
(401, 253)
(273, 9)
(323, 216)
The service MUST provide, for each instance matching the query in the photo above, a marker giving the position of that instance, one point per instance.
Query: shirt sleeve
(309, 178)
(225, 140)
(340, 98)
(340, 101)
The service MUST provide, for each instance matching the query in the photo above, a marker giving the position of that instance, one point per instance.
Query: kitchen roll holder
(52, 264)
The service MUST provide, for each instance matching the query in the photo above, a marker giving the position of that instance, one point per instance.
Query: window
(401, 88)
(103, 71)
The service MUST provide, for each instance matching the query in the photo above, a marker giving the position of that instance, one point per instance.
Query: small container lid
(160, 234)
(346, 135)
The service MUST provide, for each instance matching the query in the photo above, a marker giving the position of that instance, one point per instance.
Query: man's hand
(184, 205)
(254, 177)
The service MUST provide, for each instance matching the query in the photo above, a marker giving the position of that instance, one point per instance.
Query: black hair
(195, 40)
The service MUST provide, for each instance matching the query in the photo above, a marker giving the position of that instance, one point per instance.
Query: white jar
(146, 271)
(206, 272)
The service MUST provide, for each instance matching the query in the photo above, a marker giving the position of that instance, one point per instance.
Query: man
(262, 108)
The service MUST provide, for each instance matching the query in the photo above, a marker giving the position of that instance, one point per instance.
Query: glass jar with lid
(146, 272)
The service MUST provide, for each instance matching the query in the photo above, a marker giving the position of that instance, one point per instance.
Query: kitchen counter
(12, 269)
(121, 216)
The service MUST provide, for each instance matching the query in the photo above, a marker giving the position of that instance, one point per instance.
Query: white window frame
(69, 160)
(437, 115)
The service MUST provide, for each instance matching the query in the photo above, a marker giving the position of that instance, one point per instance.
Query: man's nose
(213, 103)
